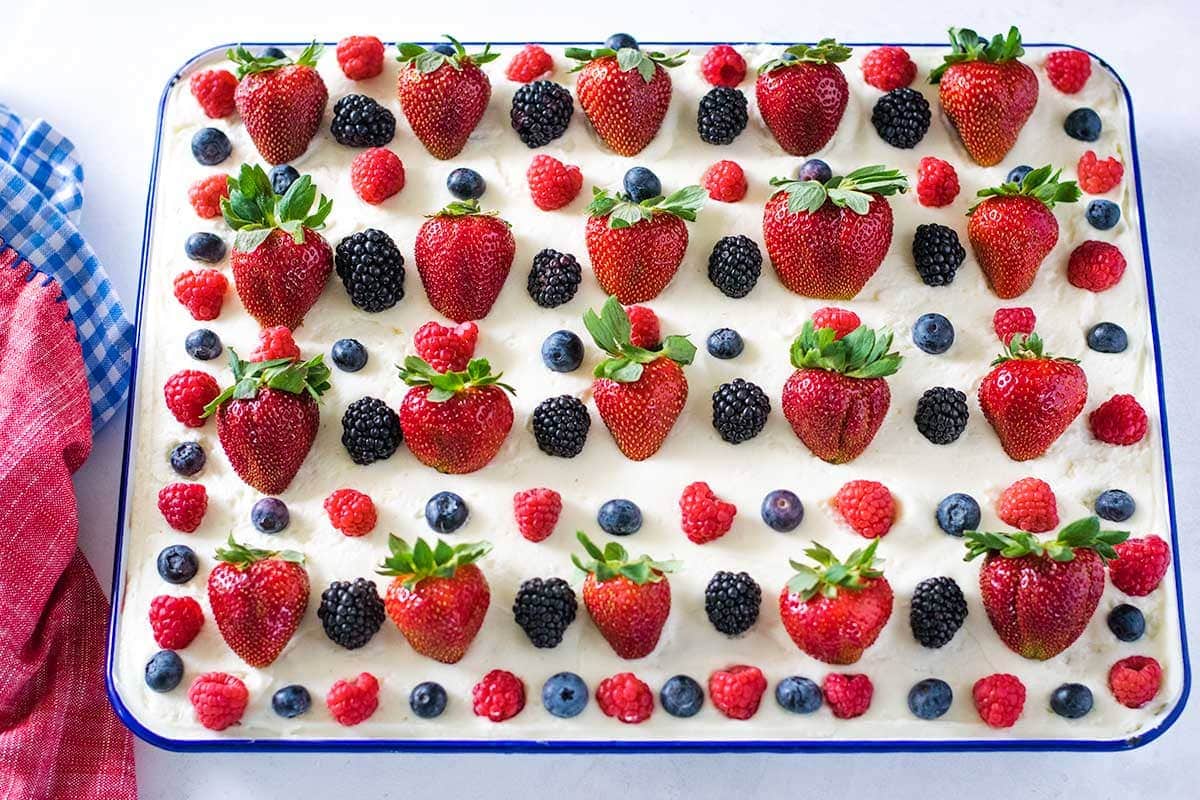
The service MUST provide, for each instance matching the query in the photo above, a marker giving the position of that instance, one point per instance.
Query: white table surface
(97, 75)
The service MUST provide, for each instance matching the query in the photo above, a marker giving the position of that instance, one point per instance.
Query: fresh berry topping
(1017, 174)
(722, 115)
(782, 510)
(564, 694)
(164, 671)
(177, 563)
(376, 174)
(937, 182)
(554, 278)
(725, 343)
(205, 246)
(183, 505)
(958, 512)
(541, 112)
(175, 621)
(619, 517)
(843, 321)
(370, 430)
(427, 699)
(562, 351)
(644, 331)
(732, 602)
(740, 410)
(798, 695)
(500, 695)
(352, 702)
(282, 178)
(536, 512)
(348, 355)
(723, 66)
(930, 698)
(560, 426)
(206, 195)
(938, 610)
(552, 184)
(901, 117)
(446, 349)
(621, 41)
(933, 333)
(814, 169)
(1095, 266)
(734, 265)
(1008, 322)
(360, 121)
(275, 342)
(187, 393)
(848, 696)
(1135, 680)
(360, 57)
(531, 63)
(465, 184)
(291, 701)
(705, 517)
(737, 691)
(1103, 214)
(867, 507)
(1098, 177)
(1083, 124)
(1028, 505)
(1126, 622)
(201, 291)
(270, 515)
(1140, 565)
(625, 697)
(941, 414)
(999, 699)
(219, 699)
(1068, 70)
(681, 696)
(446, 512)
(1071, 700)
(210, 146)
(351, 613)
(351, 512)
(641, 184)
(937, 253)
(724, 181)
(887, 68)
(544, 609)
(213, 90)
(187, 458)
(1119, 420)
(1115, 505)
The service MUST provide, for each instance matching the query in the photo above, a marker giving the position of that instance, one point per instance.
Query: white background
(98, 74)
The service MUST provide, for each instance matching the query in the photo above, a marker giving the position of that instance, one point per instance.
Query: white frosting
(918, 473)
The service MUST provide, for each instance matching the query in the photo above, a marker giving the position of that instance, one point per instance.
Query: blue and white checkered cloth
(41, 195)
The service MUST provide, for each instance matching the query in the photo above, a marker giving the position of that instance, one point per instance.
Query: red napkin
(59, 737)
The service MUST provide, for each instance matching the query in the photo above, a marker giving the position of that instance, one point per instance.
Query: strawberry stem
(826, 51)
(830, 574)
(614, 561)
(1030, 346)
(427, 61)
(464, 208)
(416, 371)
(1039, 184)
(967, 45)
(611, 330)
(420, 561)
(622, 212)
(853, 191)
(1081, 534)
(242, 556)
(862, 353)
(254, 210)
(284, 374)
(628, 58)
(248, 63)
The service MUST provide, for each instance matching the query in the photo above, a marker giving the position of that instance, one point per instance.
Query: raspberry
(737, 691)
(537, 512)
(351, 512)
(1095, 266)
(705, 516)
(1008, 322)
(999, 699)
(1068, 70)
(183, 505)
(626, 697)
(446, 349)
(351, 702)
(530, 64)
(552, 184)
(206, 195)
(360, 57)
(1119, 420)
(867, 506)
(888, 68)
(848, 696)
(1096, 176)
(213, 90)
(175, 621)
(201, 291)
(275, 342)
(645, 331)
(218, 699)
(724, 181)
(1140, 565)
(1029, 505)
(723, 66)
(1135, 680)
(376, 174)
(500, 695)
(937, 182)
(843, 321)
(187, 393)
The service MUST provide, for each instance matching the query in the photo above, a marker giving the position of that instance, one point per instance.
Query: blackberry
(370, 430)
(938, 611)
(544, 609)
(371, 269)
(560, 425)
(722, 115)
(901, 117)
(553, 278)
(731, 602)
(942, 414)
(351, 613)
(740, 410)
(541, 112)
(734, 265)
(360, 121)
(937, 253)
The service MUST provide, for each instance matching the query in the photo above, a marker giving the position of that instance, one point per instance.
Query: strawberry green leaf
(862, 353)
(832, 574)
(242, 556)
(614, 561)
(1022, 346)
(1041, 184)
(248, 63)
(1082, 534)
(826, 51)
(967, 45)
(446, 385)
(611, 330)
(427, 61)
(628, 58)
(623, 212)
(853, 191)
(310, 377)
(254, 210)
(420, 561)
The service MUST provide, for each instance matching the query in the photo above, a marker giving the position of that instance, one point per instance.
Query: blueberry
(933, 333)
(930, 698)
(204, 246)
(291, 701)
(814, 170)
(725, 343)
(642, 184)
(564, 694)
(446, 512)
(270, 515)
(1103, 214)
(1083, 124)
(1017, 174)
(282, 178)
(957, 513)
(681, 696)
(202, 344)
(272, 52)
(782, 510)
(427, 699)
(562, 351)
(1115, 505)
(187, 458)
(349, 355)
(619, 517)
(211, 146)
(444, 49)
(798, 695)
(1127, 623)
(619, 41)
(1071, 700)
(164, 671)
(177, 563)
(1107, 337)
(466, 184)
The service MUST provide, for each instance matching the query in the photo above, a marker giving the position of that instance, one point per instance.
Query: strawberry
(625, 93)
(1040, 594)
(438, 598)
(1013, 228)
(803, 94)
(280, 263)
(628, 600)
(837, 397)
(267, 419)
(1030, 397)
(836, 610)
(986, 92)
(639, 393)
(636, 248)
(443, 97)
(258, 598)
(280, 101)
(827, 240)
(463, 257)
(452, 421)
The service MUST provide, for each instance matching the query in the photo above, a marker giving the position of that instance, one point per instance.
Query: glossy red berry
(1119, 420)
(175, 621)
(1029, 505)
(183, 505)
(500, 695)
(376, 174)
(552, 184)
(202, 292)
(214, 90)
(723, 66)
(999, 699)
(724, 181)
(1068, 70)
(937, 182)
(887, 68)
(360, 57)
(219, 700)
(351, 512)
